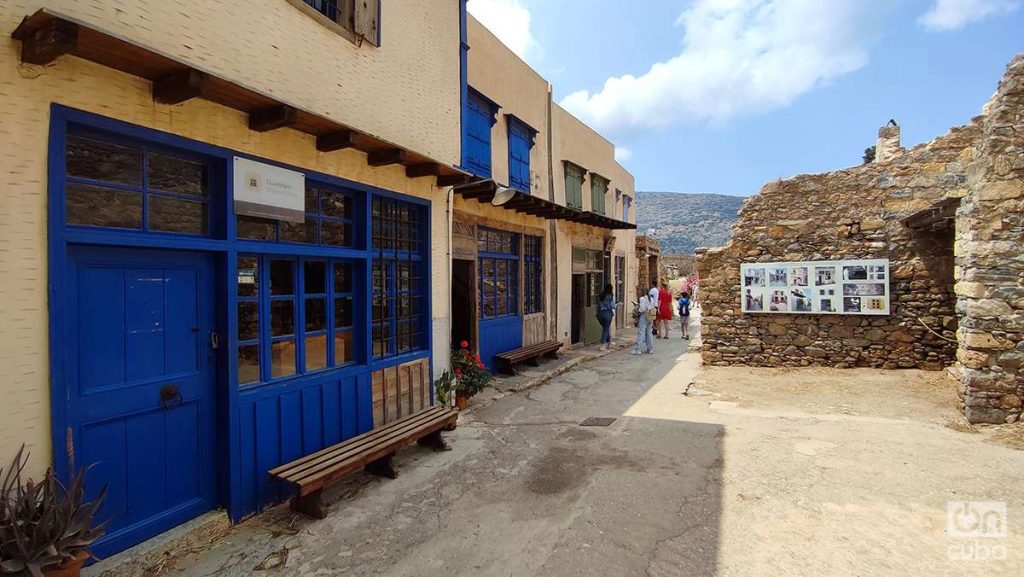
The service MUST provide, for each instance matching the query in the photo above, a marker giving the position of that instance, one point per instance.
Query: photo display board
(843, 287)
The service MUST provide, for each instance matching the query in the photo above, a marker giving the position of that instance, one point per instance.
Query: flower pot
(72, 568)
(461, 400)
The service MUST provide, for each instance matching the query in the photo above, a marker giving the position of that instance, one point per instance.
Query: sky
(725, 95)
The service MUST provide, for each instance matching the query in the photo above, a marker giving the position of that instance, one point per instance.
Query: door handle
(170, 396)
(214, 340)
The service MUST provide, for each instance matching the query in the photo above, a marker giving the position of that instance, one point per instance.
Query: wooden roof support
(273, 118)
(386, 157)
(179, 87)
(337, 140)
(47, 43)
(421, 170)
(452, 180)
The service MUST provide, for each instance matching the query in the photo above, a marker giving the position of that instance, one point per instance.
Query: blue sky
(725, 95)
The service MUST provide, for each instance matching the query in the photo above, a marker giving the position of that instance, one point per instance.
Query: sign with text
(845, 287)
(269, 191)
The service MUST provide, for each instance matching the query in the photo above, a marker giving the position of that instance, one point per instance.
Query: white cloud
(947, 15)
(510, 21)
(622, 154)
(738, 57)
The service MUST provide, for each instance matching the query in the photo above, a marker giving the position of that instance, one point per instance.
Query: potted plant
(443, 388)
(46, 528)
(471, 376)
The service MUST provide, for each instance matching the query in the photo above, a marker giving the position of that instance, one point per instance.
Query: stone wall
(648, 256)
(855, 213)
(990, 261)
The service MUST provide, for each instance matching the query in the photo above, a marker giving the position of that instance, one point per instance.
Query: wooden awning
(940, 216)
(484, 191)
(46, 36)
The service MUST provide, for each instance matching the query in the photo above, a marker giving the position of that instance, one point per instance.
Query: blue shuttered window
(499, 273)
(476, 142)
(520, 142)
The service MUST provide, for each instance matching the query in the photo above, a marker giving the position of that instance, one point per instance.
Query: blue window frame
(476, 142)
(533, 279)
(520, 141)
(399, 287)
(498, 252)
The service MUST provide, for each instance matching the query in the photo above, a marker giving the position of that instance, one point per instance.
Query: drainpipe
(553, 228)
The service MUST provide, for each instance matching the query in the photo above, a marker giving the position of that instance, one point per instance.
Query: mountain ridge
(684, 221)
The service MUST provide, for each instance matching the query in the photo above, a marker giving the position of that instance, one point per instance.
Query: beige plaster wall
(26, 93)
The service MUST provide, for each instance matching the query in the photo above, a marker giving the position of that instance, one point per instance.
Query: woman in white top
(644, 337)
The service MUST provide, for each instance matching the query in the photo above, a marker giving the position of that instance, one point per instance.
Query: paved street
(741, 477)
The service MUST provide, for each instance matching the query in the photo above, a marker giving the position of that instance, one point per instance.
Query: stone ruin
(949, 215)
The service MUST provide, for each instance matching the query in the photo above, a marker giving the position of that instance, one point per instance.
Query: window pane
(282, 359)
(381, 340)
(316, 352)
(502, 288)
(311, 200)
(379, 309)
(282, 281)
(248, 321)
(253, 228)
(248, 364)
(343, 277)
(176, 215)
(92, 159)
(343, 312)
(335, 233)
(316, 315)
(248, 276)
(94, 206)
(315, 277)
(282, 318)
(336, 205)
(404, 277)
(304, 232)
(176, 175)
(343, 353)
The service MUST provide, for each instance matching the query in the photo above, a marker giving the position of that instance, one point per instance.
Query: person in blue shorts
(684, 314)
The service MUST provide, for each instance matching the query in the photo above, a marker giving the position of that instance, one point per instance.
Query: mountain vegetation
(681, 221)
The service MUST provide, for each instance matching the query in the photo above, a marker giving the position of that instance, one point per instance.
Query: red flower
(476, 358)
(480, 365)
(458, 372)
(464, 344)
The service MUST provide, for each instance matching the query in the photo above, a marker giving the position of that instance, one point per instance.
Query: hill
(684, 221)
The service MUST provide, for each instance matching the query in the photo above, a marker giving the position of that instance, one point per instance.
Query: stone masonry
(970, 308)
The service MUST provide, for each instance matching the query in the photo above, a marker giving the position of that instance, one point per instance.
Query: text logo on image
(976, 519)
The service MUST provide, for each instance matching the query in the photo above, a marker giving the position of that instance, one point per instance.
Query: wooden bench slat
(355, 441)
(531, 350)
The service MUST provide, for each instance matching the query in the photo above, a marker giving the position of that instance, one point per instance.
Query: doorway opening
(464, 303)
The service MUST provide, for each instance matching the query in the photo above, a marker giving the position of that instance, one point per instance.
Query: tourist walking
(684, 314)
(654, 293)
(605, 313)
(648, 312)
(664, 310)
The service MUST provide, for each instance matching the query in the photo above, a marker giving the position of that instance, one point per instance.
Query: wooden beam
(179, 87)
(273, 118)
(452, 179)
(386, 157)
(337, 140)
(50, 41)
(420, 170)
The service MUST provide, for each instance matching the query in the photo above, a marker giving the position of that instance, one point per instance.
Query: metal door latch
(214, 340)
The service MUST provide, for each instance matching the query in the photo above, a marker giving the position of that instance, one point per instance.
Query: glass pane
(316, 352)
(335, 233)
(92, 159)
(381, 340)
(248, 276)
(315, 277)
(343, 312)
(379, 310)
(282, 318)
(248, 364)
(316, 315)
(343, 277)
(282, 359)
(404, 277)
(176, 215)
(311, 201)
(343, 353)
(253, 228)
(282, 281)
(502, 288)
(304, 232)
(336, 205)
(94, 206)
(248, 321)
(176, 175)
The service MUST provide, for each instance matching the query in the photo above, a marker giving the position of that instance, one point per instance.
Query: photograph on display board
(851, 304)
(824, 275)
(864, 290)
(855, 272)
(754, 277)
(800, 301)
(753, 300)
(876, 272)
(778, 276)
(798, 276)
(875, 304)
(826, 306)
(779, 302)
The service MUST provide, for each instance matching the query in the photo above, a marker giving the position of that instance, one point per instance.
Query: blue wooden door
(139, 386)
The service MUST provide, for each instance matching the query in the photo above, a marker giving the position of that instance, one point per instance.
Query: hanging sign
(845, 287)
(269, 191)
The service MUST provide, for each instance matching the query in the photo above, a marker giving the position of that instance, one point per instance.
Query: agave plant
(45, 524)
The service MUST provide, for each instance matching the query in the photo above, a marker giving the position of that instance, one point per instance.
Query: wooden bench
(508, 360)
(370, 451)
